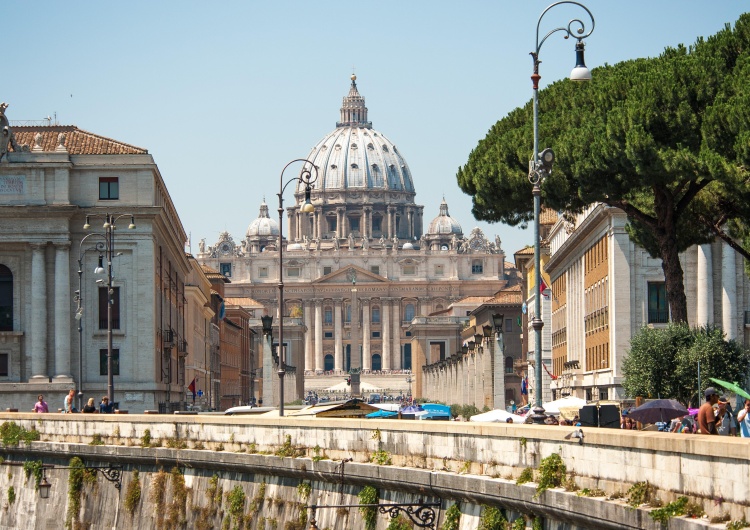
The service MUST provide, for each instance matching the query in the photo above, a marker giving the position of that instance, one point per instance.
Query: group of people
(716, 417)
(105, 407)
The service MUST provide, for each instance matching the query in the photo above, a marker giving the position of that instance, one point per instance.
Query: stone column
(704, 313)
(309, 353)
(366, 335)
(38, 339)
(339, 222)
(62, 312)
(338, 357)
(385, 325)
(390, 222)
(292, 225)
(728, 291)
(410, 222)
(319, 361)
(396, 352)
(367, 228)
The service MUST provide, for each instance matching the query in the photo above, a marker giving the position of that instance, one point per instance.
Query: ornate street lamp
(109, 226)
(306, 178)
(539, 168)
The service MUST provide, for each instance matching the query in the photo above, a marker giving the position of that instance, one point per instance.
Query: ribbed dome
(355, 156)
(444, 223)
(263, 225)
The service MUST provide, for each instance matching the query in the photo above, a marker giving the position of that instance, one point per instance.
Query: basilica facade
(364, 255)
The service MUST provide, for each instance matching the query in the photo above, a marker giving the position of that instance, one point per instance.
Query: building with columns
(605, 288)
(365, 264)
(53, 312)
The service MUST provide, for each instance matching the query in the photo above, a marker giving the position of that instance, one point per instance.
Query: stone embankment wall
(281, 465)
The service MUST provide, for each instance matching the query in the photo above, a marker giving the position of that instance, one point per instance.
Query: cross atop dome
(353, 110)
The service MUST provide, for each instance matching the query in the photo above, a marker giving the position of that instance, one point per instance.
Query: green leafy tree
(663, 363)
(665, 139)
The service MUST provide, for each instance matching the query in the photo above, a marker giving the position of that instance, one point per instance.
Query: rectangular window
(477, 267)
(508, 324)
(328, 335)
(226, 269)
(103, 308)
(439, 270)
(331, 224)
(408, 333)
(103, 362)
(437, 351)
(3, 365)
(109, 188)
(375, 334)
(327, 271)
(328, 316)
(658, 309)
(354, 224)
(375, 269)
(376, 315)
(409, 270)
(376, 224)
(292, 272)
(262, 272)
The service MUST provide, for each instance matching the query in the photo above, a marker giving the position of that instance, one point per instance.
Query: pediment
(342, 276)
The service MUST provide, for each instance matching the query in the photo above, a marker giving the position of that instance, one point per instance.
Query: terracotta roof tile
(243, 302)
(525, 250)
(548, 216)
(77, 141)
(510, 296)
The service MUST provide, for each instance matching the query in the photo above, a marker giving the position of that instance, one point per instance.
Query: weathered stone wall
(472, 464)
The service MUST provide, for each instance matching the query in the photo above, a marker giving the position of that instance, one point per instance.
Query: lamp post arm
(575, 24)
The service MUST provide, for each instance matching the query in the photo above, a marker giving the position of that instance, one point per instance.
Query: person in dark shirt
(105, 407)
(89, 407)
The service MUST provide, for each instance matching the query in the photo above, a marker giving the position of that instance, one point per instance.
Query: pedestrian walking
(40, 405)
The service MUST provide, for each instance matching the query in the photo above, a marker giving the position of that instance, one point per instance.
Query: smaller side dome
(263, 226)
(444, 224)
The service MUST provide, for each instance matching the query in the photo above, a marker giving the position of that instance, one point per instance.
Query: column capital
(367, 208)
(364, 301)
(62, 244)
(38, 246)
(338, 301)
(317, 301)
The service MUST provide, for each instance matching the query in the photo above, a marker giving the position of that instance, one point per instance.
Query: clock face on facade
(225, 248)
(476, 244)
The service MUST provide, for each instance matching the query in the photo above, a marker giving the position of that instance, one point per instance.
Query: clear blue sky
(224, 94)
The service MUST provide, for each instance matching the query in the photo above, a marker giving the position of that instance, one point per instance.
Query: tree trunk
(670, 256)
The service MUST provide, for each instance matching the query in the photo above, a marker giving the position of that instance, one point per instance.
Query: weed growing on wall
(236, 503)
(682, 506)
(146, 438)
(368, 495)
(640, 493)
(527, 475)
(76, 479)
(133, 494)
(96, 439)
(33, 467)
(452, 518)
(399, 523)
(157, 495)
(492, 519)
(551, 473)
(382, 458)
(12, 434)
(176, 511)
(519, 524)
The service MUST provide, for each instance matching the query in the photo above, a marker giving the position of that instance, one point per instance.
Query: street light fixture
(306, 178)
(540, 167)
(107, 247)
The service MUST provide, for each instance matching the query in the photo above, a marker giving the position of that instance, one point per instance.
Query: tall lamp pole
(539, 168)
(109, 227)
(306, 178)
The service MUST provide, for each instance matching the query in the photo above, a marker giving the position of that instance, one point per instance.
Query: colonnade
(387, 345)
(40, 319)
(705, 275)
(318, 228)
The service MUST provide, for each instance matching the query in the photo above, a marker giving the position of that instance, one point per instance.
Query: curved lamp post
(306, 178)
(109, 227)
(540, 167)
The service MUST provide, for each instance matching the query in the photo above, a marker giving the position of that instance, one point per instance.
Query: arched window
(328, 363)
(6, 299)
(409, 312)
(376, 362)
(509, 365)
(348, 313)
(376, 315)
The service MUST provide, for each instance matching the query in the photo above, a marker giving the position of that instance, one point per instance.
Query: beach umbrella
(658, 410)
(382, 414)
(732, 387)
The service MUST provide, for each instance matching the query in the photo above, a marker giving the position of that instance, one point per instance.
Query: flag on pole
(542, 287)
(191, 387)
